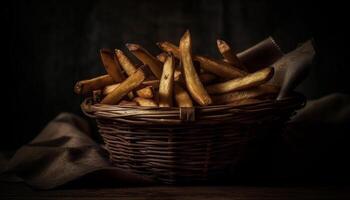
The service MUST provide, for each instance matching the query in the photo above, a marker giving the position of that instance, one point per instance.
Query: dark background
(49, 45)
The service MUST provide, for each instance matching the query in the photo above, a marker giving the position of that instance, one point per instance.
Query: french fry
(111, 65)
(146, 58)
(180, 94)
(145, 92)
(205, 78)
(125, 87)
(169, 47)
(127, 103)
(229, 54)
(249, 81)
(217, 67)
(177, 75)
(182, 98)
(162, 57)
(86, 86)
(194, 85)
(153, 83)
(245, 94)
(166, 83)
(109, 89)
(145, 102)
(130, 68)
(125, 63)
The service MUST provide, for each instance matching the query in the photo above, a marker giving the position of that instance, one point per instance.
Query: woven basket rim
(88, 102)
(176, 115)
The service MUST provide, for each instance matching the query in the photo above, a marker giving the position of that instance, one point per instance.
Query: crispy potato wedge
(166, 83)
(205, 78)
(182, 98)
(153, 83)
(162, 57)
(146, 58)
(111, 65)
(146, 92)
(217, 67)
(145, 102)
(109, 89)
(245, 94)
(177, 75)
(125, 62)
(130, 68)
(170, 48)
(125, 87)
(249, 81)
(193, 84)
(229, 54)
(87, 86)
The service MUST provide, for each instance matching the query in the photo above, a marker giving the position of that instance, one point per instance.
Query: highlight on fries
(229, 54)
(146, 92)
(193, 83)
(177, 78)
(125, 62)
(146, 58)
(166, 83)
(145, 102)
(182, 98)
(111, 65)
(125, 87)
(246, 82)
(87, 86)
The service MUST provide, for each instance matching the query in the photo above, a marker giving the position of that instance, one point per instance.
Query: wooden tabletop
(20, 191)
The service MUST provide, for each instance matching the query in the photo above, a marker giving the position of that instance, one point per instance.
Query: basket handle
(187, 114)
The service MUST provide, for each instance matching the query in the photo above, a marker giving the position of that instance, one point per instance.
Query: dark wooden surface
(20, 191)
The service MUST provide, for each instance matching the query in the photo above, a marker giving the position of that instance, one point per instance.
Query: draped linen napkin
(62, 152)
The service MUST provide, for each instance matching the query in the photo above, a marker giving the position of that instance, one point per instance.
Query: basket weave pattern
(175, 145)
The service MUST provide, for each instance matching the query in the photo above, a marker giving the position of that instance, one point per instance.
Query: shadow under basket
(186, 145)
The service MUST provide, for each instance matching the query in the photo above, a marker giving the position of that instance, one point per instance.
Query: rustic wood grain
(20, 191)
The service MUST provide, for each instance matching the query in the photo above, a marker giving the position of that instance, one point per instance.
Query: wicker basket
(176, 145)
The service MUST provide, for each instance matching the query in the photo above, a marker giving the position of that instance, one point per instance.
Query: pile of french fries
(176, 78)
